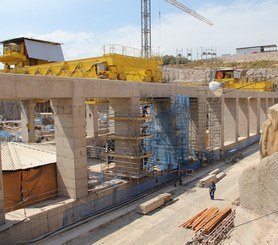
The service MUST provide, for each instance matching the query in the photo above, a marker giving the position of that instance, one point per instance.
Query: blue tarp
(4, 133)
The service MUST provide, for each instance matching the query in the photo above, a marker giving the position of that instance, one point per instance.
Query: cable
(250, 221)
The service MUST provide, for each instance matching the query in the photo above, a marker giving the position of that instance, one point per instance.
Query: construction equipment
(146, 23)
(230, 78)
(37, 57)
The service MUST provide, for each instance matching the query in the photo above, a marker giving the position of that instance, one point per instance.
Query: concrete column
(222, 124)
(127, 130)
(243, 118)
(230, 119)
(27, 109)
(202, 120)
(253, 116)
(270, 102)
(214, 123)
(193, 123)
(2, 212)
(263, 111)
(275, 101)
(92, 120)
(70, 133)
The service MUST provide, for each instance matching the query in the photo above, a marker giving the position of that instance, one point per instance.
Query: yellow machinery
(17, 59)
(232, 80)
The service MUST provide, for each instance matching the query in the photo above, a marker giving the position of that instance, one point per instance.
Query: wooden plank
(215, 171)
(154, 203)
(205, 182)
(209, 217)
(200, 221)
(190, 221)
(217, 219)
(220, 176)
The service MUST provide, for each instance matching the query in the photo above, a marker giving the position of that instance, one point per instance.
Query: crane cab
(235, 79)
(21, 52)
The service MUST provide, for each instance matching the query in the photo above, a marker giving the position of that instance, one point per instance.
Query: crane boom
(146, 23)
(189, 11)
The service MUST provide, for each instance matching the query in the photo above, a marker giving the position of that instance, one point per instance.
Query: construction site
(121, 149)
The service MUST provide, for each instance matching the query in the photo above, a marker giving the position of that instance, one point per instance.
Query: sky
(85, 26)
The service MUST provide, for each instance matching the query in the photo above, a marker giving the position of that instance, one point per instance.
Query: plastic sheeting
(39, 184)
(12, 190)
(26, 187)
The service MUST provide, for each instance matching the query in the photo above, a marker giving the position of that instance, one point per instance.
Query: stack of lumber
(216, 220)
(154, 203)
(215, 171)
(206, 181)
(207, 219)
(214, 175)
(220, 176)
(221, 230)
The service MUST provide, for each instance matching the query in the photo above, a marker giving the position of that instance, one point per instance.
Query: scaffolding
(138, 144)
(214, 124)
(170, 130)
(122, 142)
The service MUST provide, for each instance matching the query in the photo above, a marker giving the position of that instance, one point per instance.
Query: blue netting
(170, 130)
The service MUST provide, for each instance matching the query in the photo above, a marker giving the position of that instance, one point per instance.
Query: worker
(145, 110)
(212, 189)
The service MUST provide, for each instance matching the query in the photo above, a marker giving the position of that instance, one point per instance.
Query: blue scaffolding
(170, 131)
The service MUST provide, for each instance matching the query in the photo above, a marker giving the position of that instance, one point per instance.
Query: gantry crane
(146, 23)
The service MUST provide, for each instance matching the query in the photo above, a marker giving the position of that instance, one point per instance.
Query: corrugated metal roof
(262, 46)
(21, 39)
(44, 50)
(16, 156)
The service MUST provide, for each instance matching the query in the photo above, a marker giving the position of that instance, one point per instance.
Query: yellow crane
(37, 57)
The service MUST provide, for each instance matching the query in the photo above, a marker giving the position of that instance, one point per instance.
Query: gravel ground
(162, 225)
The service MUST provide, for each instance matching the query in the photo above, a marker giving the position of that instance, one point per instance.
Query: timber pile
(154, 203)
(210, 221)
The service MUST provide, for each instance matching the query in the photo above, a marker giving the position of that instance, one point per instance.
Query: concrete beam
(17, 87)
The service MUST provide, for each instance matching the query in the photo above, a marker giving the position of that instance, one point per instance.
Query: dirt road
(162, 225)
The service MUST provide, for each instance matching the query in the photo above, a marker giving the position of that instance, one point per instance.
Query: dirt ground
(162, 225)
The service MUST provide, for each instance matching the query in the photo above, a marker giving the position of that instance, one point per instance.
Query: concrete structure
(237, 115)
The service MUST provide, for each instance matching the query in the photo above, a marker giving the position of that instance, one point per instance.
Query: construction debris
(210, 225)
(154, 203)
(236, 202)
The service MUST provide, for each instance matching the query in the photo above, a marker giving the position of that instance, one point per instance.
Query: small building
(29, 174)
(23, 51)
(257, 49)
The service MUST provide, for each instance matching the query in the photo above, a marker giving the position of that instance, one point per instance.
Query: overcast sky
(84, 26)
